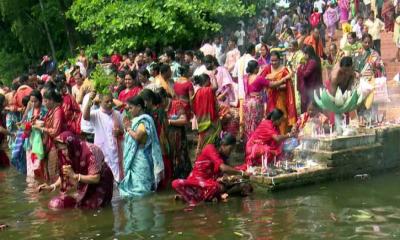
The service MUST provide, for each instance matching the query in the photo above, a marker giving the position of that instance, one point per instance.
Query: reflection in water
(342, 210)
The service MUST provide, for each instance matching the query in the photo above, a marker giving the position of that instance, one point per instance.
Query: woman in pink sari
(81, 165)
(344, 6)
(255, 83)
(264, 58)
(265, 141)
(330, 19)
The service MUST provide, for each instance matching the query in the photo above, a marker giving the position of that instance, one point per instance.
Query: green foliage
(127, 24)
(11, 65)
(102, 81)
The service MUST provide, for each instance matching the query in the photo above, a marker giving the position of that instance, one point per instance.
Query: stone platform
(371, 152)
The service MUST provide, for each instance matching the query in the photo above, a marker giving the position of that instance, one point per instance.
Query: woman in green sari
(143, 163)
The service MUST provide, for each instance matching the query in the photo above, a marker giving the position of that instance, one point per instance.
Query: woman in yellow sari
(283, 97)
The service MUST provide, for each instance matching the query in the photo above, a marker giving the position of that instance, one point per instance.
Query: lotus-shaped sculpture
(339, 104)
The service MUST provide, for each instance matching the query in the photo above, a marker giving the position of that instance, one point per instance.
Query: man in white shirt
(358, 27)
(240, 35)
(320, 4)
(238, 73)
(108, 131)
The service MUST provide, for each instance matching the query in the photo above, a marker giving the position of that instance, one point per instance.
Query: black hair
(164, 68)
(264, 39)
(36, 93)
(365, 36)
(2, 101)
(144, 72)
(201, 79)
(160, 95)
(353, 35)
(276, 54)
(15, 86)
(199, 55)
(227, 139)
(346, 62)
(250, 48)
(121, 74)
(61, 78)
(170, 53)
(54, 95)
(233, 39)
(184, 70)
(252, 66)
(137, 101)
(23, 79)
(25, 101)
(275, 114)
(134, 74)
(148, 96)
(155, 67)
(210, 62)
(189, 53)
(148, 52)
(309, 50)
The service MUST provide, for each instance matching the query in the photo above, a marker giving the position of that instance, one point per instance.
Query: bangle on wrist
(79, 177)
(53, 186)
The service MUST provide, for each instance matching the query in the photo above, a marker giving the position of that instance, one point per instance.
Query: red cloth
(204, 105)
(22, 92)
(126, 94)
(309, 78)
(202, 185)
(55, 123)
(316, 44)
(315, 18)
(116, 59)
(182, 89)
(86, 159)
(72, 113)
(261, 143)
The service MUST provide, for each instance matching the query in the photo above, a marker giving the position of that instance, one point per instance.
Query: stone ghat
(373, 151)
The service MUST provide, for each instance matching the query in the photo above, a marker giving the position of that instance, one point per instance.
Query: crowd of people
(256, 89)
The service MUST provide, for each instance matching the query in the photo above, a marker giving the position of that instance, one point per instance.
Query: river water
(352, 209)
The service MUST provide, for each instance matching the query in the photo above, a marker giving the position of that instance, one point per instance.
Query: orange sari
(283, 99)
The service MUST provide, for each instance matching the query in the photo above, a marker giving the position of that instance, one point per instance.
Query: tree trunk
(69, 29)
(46, 27)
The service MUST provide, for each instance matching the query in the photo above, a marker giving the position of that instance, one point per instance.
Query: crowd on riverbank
(66, 131)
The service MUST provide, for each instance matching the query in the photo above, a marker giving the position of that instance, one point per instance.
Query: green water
(352, 209)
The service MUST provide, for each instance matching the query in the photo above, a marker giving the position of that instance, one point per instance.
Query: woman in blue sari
(143, 163)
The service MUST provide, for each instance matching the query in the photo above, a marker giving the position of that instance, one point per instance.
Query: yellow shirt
(375, 28)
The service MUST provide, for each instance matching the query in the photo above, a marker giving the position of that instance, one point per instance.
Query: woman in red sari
(203, 182)
(283, 97)
(54, 124)
(72, 111)
(132, 88)
(309, 77)
(81, 164)
(265, 141)
(183, 88)
(4, 160)
(206, 111)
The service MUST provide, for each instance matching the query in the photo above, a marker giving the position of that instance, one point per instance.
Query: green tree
(128, 24)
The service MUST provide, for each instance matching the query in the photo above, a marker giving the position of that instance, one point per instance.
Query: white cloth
(239, 71)
(240, 34)
(86, 126)
(200, 70)
(320, 5)
(103, 124)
